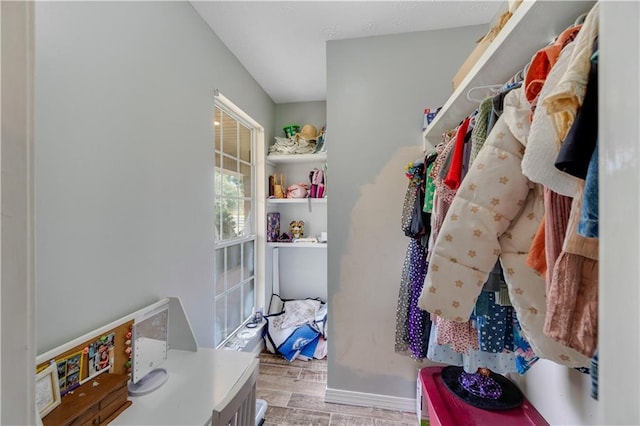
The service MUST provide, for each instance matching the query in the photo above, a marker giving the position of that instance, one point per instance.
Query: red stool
(446, 409)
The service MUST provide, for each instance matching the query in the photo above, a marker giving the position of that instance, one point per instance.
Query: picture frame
(47, 390)
(101, 355)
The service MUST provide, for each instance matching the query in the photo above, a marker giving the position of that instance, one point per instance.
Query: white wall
(301, 113)
(123, 160)
(619, 68)
(562, 395)
(377, 89)
(17, 353)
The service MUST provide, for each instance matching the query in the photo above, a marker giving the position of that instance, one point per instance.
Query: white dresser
(202, 386)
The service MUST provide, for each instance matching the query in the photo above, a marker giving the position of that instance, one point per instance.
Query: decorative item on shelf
(320, 142)
(271, 186)
(322, 238)
(316, 176)
(256, 319)
(257, 316)
(298, 190)
(309, 132)
(296, 227)
(278, 192)
(273, 226)
(429, 115)
(290, 130)
(284, 238)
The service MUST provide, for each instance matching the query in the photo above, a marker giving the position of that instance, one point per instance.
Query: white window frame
(258, 202)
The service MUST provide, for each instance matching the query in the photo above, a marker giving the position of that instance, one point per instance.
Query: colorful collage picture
(69, 372)
(101, 354)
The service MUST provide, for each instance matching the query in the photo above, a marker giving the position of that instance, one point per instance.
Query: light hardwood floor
(295, 396)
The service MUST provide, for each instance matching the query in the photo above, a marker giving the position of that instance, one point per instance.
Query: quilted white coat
(495, 213)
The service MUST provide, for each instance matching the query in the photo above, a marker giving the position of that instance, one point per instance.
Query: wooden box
(471, 60)
(96, 402)
(483, 44)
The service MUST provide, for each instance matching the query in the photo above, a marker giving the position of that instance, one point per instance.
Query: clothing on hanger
(494, 214)
(489, 90)
(578, 146)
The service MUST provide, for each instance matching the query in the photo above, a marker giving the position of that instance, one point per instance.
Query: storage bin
(261, 409)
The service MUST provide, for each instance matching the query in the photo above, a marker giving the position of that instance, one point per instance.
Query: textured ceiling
(282, 43)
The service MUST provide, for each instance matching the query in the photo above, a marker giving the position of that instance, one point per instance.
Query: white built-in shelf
(297, 158)
(533, 25)
(299, 245)
(296, 200)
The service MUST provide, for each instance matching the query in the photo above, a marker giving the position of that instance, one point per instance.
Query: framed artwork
(69, 370)
(47, 390)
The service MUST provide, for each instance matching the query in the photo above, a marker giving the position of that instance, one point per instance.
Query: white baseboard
(339, 396)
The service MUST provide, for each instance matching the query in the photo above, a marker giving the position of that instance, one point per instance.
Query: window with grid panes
(235, 234)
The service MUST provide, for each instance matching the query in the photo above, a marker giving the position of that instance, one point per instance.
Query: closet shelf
(533, 25)
(296, 158)
(299, 245)
(296, 200)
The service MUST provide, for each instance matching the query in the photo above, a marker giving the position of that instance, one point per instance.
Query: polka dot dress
(494, 323)
(412, 323)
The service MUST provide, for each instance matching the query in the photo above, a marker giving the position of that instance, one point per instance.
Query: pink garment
(547, 243)
(461, 336)
(557, 209)
(572, 303)
(440, 171)
(572, 296)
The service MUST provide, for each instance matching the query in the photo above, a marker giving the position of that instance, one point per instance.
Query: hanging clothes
(495, 214)
(454, 173)
(567, 96)
(494, 322)
(413, 325)
(543, 144)
(572, 303)
(542, 62)
(580, 142)
(502, 363)
(589, 220)
(453, 342)
(572, 298)
(480, 130)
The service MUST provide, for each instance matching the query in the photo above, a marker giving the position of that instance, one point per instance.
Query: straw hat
(309, 132)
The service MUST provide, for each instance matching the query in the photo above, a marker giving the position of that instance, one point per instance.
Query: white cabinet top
(533, 25)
